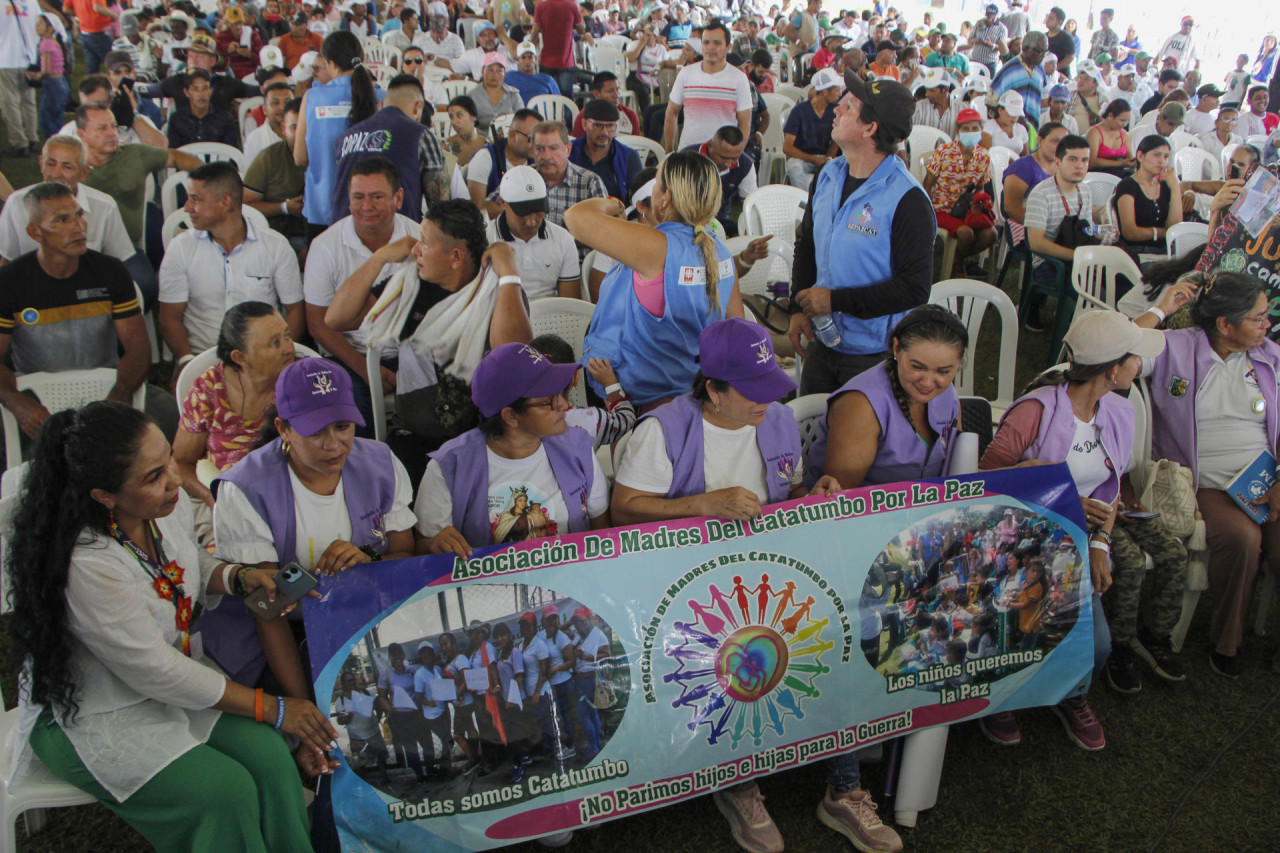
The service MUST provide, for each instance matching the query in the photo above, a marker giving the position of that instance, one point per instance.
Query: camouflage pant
(1168, 579)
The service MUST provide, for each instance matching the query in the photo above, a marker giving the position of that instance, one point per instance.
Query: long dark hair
(75, 452)
(927, 323)
(1162, 273)
(342, 48)
(235, 329)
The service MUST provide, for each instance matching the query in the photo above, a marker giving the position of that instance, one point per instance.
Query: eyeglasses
(592, 124)
(1262, 319)
(511, 131)
(552, 402)
(418, 61)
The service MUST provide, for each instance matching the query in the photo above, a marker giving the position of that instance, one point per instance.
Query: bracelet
(279, 713)
(746, 264)
(257, 705)
(241, 585)
(184, 359)
(369, 552)
(227, 575)
(508, 279)
(1101, 535)
(1160, 314)
(615, 387)
(1100, 546)
(1154, 235)
(284, 208)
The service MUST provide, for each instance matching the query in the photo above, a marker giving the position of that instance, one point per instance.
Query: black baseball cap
(891, 102)
(1209, 90)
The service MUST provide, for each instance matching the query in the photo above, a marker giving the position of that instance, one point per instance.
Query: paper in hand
(477, 679)
(1258, 202)
(443, 690)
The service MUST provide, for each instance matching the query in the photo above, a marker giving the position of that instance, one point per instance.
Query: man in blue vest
(391, 132)
(726, 148)
(597, 150)
(491, 162)
(864, 252)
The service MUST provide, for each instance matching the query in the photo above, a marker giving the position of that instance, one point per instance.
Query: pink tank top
(1121, 153)
(652, 296)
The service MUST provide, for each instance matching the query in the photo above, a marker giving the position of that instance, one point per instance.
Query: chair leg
(36, 820)
(1062, 321)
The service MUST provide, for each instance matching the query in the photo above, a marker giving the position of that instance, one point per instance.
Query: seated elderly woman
(725, 449)
(116, 698)
(523, 473)
(1213, 396)
(494, 96)
(316, 495)
(954, 176)
(225, 411)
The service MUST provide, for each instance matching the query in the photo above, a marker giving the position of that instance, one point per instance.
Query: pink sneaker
(1001, 728)
(1082, 726)
(853, 815)
(753, 829)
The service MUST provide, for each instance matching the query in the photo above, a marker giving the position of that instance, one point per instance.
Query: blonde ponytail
(693, 182)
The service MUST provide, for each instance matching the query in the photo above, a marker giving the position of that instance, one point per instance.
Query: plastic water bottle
(826, 330)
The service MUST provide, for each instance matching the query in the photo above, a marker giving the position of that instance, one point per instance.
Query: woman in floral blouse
(953, 169)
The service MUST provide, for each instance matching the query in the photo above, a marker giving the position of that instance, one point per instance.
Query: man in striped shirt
(936, 109)
(712, 94)
(987, 39)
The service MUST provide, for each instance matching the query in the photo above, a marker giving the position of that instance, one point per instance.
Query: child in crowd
(1030, 603)
(54, 88)
(608, 423)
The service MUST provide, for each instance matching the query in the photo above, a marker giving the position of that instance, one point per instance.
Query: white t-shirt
(243, 536)
(363, 725)
(730, 458)
(335, 255)
(421, 679)
(1231, 420)
(451, 48)
(555, 655)
(258, 139)
(1087, 459)
(542, 261)
(471, 63)
(710, 101)
(534, 654)
(1016, 143)
(106, 231)
(525, 501)
(590, 647)
(1197, 122)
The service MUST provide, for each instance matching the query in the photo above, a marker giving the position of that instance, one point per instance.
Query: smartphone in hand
(292, 582)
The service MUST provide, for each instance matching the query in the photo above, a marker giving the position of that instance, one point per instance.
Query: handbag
(1073, 231)
(604, 696)
(964, 202)
(1167, 489)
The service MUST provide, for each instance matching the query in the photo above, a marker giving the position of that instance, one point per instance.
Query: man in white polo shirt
(545, 252)
(223, 261)
(712, 93)
(374, 195)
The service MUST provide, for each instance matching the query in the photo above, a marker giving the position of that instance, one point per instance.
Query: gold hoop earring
(285, 447)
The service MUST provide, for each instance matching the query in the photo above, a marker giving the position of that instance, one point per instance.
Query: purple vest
(1175, 382)
(229, 633)
(901, 454)
(1058, 429)
(465, 465)
(778, 438)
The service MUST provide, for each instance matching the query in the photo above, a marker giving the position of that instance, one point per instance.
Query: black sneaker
(1159, 655)
(1227, 666)
(1122, 675)
(1034, 323)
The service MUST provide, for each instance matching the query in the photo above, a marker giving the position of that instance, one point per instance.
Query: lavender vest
(465, 465)
(778, 438)
(1175, 382)
(228, 632)
(901, 454)
(1058, 428)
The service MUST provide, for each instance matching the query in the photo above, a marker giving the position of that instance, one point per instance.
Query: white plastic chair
(1094, 271)
(608, 58)
(169, 193)
(795, 93)
(247, 123)
(771, 157)
(1196, 164)
(554, 108)
(980, 70)
(587, 264)
(207, 359)
(1100, 186)
(440, 126)
(1141, 426)
(569, 319)
(456, 88)
(1147, 120)
(178, 221)
(775, 209)
(645, 146)
(1185, 236)
(809, 411)
(969, 300)
(211, 151)
(467, 29)
(775, 267)
(67, 389)
(924, 139)
(382, 74)
(379, 52)
(500, 124)
(1227, 151)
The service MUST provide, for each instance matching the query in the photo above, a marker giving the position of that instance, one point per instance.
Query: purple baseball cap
(514, 372)
(740, 352)
(312, 393)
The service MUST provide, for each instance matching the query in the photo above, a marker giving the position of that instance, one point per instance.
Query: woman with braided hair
(670, 282)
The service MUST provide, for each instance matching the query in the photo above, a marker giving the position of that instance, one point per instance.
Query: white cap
(694, 44)
(826, 79)
(1089, 68)
(524, 190)
(1127, 71)
(526, 47)
(271, 55)
(1100, 337)
(181, 16)
(1050, 57)
(437, 8)
(302, 71)
(931, 78)
(1012, 102)
(643, 194)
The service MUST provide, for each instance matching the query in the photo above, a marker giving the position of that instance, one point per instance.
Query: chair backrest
(809, 411)
(980, 70)
(608, 57)
(211, 151)
(775, 267)
(67, 389)
(969, 300)
(382, 73)
(554, 108)
(1185, 236)
(173, 194)
(247, 124)
(382, 53)
(1147, 120)
(1180, 139)
(1094, 271)
(467, 28)
(775, 209)
(454, 88)
(436, 74)
(645, 146)
(178, 221)
(1001, 159)
(1099, 186)
(924, 139)
(795, 93)
(440, 126)
(1140, 397)
(917, 165)
(771, 147)
(1257, 140)
(501, 124)
(587, 263)
(568, 318)
(1225, 160)
(1196, 164)
(207, 359)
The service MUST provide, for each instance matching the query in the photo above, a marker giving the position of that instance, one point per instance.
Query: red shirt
(241, 66)
(90, 20)
(1270, 120)
(557, 20)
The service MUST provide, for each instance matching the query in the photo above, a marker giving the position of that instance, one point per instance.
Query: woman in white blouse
(116, 698)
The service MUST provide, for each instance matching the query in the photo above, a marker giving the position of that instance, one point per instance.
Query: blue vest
(660, 356)
(328, 105)
(729, 181)
(464, 461)
(851, 243)
(778, 439)
(619, 158)
(498, 154)
(387, 133)
(229, 632)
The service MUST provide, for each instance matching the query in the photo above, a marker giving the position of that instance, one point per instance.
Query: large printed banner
(733, 650)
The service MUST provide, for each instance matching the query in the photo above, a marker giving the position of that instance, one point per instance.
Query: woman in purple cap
(316, 495)
(725, 449)
(1071, 416)
(522, 473)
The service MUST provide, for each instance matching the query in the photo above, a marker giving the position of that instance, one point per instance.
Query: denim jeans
(825, 369)
(53, 104)
(564, 78)
(96, 47)
(844, 772)
(800, 173)
(588, 716)
(565, 698)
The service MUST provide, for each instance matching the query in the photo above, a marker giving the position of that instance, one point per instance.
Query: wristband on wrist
(257, 705)
(508, 279)
(615, 387)
(1100, 546)
(284, 207)
(184, 359)
(279, 713)
(1159, 313)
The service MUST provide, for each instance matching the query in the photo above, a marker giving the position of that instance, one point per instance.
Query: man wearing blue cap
(987, 39)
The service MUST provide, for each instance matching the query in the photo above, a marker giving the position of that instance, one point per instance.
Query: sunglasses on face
(418, 61)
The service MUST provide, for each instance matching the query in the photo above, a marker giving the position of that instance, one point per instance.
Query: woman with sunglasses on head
(522, 473)
(1214, 410)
